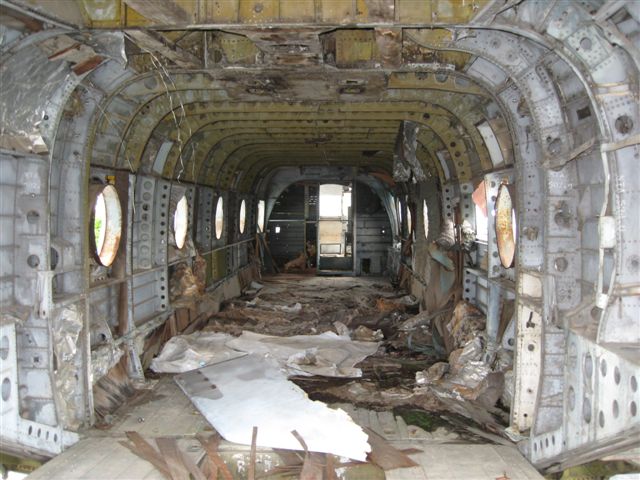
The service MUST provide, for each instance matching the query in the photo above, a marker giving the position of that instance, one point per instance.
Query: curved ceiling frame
(437, 121)
(175, 152)
(200, 142)
(132, 139)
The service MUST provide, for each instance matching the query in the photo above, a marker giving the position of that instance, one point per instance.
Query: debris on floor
(438, 361)
(252, 391)
(304, 342)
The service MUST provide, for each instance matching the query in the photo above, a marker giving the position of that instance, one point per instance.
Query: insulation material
(405, 161)
(467, 321)
(189, 352)
(252, 391)
(326, 354)
(23, 103)
(184, 286)
(66, 327)
(28, 108)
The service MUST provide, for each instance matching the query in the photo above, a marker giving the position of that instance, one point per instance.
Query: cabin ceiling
(226, 91)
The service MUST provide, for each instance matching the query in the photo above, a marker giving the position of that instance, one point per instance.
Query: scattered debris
(365, 334)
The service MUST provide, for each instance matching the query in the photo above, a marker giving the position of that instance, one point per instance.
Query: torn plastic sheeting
(239, 394)
(183, 353)
(327, 354)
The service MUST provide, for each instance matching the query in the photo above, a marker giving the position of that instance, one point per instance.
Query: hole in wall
(505, 226)
(33, 217)
(6, 389)
(54, 258)
(243, 216)
(586, 410)
(4, 347)
(571, 398)
(583, 113)
(624, 124)
(586, 43)
(219, 219)
(560, 264)
(33, 261)
(261, 214)
(181, 222)
(106, 224)
(588, 365)
(555, 146)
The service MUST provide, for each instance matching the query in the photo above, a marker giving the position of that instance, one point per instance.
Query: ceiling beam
(164, 12)
(153, 42)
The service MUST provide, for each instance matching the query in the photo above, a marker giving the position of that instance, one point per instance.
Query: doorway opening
(335, 229)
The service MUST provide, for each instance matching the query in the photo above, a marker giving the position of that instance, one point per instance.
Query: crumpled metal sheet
(405, 160)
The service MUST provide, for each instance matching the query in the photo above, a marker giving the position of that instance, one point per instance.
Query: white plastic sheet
(237, 395)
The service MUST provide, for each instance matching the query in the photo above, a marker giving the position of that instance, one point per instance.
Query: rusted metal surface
(505, 226)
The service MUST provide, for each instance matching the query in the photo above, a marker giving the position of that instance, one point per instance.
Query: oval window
(106, 225)
(180, 222)
(243, 215)
(409, 221)
(261, 215)
(219, 225)
(505, 227)
(425, 218)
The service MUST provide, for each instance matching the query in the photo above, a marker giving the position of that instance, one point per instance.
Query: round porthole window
(505, 226)
(180, 222)
(219, 225)
(425, 218)
(261, 215)
(106, 223)
(243, 216)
